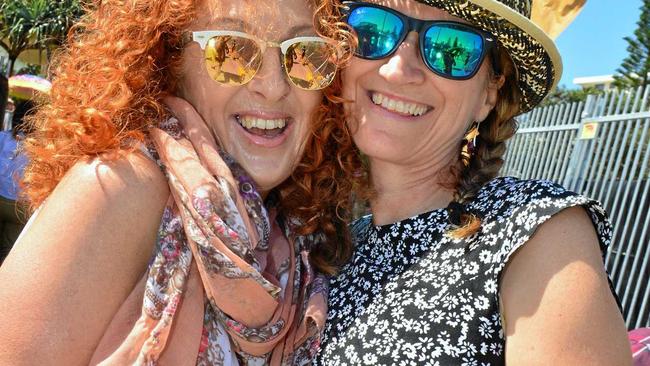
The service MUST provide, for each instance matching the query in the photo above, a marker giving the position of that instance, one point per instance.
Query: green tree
(563, 95)
(636, 66)
(30, 69)
(35, 24)
(52, 30)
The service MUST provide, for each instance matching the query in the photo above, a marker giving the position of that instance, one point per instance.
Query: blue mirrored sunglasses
(450, 49)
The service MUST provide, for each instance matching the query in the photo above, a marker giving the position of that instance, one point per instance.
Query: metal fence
(600, 149)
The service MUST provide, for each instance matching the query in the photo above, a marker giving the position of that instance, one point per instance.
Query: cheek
(355, 73)
(348, 80)
(478, 94)
(462, 99)
(204, 94)
(308, 102)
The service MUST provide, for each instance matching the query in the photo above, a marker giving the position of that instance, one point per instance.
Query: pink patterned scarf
(227, 284)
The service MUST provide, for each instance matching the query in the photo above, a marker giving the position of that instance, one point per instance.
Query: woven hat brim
(536, 58)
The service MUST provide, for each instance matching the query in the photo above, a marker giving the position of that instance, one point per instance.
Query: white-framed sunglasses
(233, 58)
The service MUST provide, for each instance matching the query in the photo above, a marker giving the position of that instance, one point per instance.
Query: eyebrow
(295, 30)
(234, 21)
(300, 28)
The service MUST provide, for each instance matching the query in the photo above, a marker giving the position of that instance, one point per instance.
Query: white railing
(599, 148)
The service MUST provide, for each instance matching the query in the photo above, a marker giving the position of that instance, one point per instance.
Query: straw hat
(536, 58)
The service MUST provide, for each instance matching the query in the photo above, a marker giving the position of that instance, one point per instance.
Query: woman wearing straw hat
(456, 266)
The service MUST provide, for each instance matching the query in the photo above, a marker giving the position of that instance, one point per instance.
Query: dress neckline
(383, 244)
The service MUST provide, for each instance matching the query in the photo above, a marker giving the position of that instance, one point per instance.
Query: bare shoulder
(98, 196)
(570, 232)
(78, 259)
(133, 173)
(557, 304)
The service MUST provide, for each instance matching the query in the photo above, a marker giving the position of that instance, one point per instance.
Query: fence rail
(600, 149)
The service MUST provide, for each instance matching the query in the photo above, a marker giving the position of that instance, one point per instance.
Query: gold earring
(468, 146)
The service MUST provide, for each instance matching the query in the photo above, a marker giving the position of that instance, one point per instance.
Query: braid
(487, 160)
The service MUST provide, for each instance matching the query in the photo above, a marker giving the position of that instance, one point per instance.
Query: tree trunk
(48, 58)
(12, 61)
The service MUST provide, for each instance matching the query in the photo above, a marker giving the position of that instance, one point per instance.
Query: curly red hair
(109, 80)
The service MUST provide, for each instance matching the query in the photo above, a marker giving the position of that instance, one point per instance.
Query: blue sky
(593, 44)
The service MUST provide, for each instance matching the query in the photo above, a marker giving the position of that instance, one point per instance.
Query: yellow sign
(589, 131)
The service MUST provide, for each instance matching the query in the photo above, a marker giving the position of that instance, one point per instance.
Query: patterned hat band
(534, 54)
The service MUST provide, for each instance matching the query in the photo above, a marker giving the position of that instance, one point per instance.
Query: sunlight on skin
(269, 95)
(410, 156)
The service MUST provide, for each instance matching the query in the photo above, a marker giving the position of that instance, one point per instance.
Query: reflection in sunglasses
(450, 49)
(233, 58)
(309, 67)
(230, 60)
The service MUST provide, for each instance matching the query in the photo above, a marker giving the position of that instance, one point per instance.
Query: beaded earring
(468, 146)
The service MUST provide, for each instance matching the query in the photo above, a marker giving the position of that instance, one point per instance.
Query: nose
(270, 82)
(405, 66)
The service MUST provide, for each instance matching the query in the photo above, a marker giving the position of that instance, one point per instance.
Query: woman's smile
(398, 105)
(264, 129)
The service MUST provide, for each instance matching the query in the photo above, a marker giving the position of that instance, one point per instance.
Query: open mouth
(263, 127)
(404, 108)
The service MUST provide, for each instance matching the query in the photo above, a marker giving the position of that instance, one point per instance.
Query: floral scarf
(226, 285)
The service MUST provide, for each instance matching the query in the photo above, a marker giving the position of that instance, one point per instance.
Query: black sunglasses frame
(421, 27)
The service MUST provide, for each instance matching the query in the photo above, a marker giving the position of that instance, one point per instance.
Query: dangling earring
(468, 146)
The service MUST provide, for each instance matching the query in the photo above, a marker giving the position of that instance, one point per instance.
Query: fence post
(574, 175)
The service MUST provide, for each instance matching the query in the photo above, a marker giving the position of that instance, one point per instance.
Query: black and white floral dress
(412, 295)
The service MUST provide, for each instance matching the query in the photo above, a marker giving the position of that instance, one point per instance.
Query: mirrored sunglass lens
(232, 60)
(378, 31)
(310, 65)
(453, 50)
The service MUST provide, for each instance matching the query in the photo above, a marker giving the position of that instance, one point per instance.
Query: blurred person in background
(12, 164)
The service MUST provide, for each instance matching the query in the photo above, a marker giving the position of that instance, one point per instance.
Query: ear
(490, 95)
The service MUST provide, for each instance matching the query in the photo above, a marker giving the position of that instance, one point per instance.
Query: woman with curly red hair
(195, 232)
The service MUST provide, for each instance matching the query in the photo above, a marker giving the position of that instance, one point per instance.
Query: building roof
(591, 80)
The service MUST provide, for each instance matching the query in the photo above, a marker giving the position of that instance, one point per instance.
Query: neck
(405, 191)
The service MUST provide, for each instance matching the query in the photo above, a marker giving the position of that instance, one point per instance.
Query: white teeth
(263, 124)
(410, 109)
(413, 109)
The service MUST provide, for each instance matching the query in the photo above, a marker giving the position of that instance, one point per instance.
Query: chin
(266, 178)
(377, 143)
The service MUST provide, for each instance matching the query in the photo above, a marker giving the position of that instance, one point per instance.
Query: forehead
(259, 16)
(417, 10)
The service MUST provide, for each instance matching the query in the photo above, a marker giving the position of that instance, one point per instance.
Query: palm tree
(35, 24)
(14, 28)
(59, 17)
